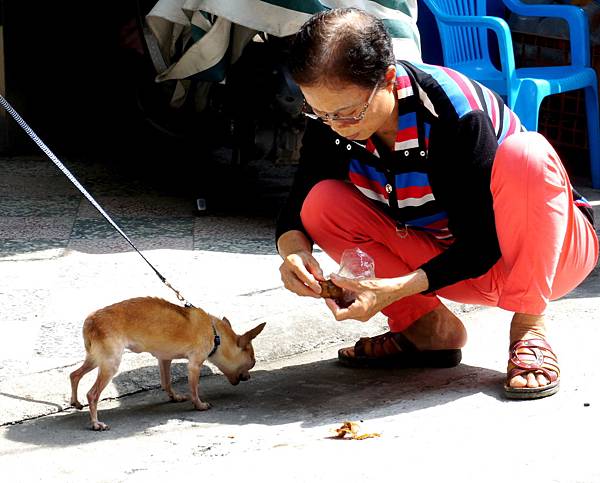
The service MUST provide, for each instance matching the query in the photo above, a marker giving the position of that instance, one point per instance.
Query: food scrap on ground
(349, 430)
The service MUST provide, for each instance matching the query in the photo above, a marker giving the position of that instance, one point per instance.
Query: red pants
(548, 246)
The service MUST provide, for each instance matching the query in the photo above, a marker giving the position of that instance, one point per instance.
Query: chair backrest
(460, 44)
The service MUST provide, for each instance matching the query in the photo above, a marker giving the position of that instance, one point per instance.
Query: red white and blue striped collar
(407, 136)
(404, 88)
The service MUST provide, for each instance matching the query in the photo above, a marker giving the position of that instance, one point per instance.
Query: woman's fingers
(356, 311)
(294, 284)
(312, 274)
(313, 266)
(297, 274)
(346, 283)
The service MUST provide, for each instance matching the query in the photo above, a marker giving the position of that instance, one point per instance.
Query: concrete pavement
(59, 260)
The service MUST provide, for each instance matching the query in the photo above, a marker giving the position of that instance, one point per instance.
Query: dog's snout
(244, 377)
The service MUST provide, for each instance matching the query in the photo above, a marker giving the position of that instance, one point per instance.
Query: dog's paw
(202, 406)
(77, 405)
(100, 426)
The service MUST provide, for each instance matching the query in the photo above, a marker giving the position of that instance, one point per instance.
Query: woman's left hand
(375, 294)
(372, 296)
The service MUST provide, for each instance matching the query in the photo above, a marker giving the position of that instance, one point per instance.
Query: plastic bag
(354, 264)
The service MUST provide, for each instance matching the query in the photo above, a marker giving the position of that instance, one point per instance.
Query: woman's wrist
(293, 241)
(411, 284)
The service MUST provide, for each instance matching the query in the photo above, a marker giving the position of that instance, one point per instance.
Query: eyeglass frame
(335, 118)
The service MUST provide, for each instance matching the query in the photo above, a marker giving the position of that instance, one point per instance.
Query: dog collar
(217, 341)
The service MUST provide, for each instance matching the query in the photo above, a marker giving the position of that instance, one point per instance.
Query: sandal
(394, 350)
(532, 355)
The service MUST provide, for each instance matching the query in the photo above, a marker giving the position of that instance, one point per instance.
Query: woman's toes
(542, 380)
(518, 381)
(531, 380)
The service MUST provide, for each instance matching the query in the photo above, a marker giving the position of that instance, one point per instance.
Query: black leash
(78, 185)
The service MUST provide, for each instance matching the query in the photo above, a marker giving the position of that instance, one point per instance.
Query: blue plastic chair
(463, 27)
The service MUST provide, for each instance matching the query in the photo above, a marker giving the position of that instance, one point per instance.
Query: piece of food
(350, 429)
(367, 435)
(330, 290)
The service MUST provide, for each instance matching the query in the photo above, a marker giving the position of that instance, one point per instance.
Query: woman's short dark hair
(344, 45)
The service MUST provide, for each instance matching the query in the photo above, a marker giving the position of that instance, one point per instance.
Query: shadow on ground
(43, 216)
(313, 394)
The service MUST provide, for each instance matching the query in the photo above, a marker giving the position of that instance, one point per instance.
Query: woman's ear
(390, 75)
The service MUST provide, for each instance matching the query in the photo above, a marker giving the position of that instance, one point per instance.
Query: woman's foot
(434, 340)
(532, 370)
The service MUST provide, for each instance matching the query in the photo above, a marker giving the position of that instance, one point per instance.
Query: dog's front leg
(193, 380)
(165, 381)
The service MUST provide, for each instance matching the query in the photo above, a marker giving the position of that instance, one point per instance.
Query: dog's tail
(86, 338)
(89, 333)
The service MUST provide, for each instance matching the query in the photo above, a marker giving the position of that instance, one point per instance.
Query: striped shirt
(407, 193)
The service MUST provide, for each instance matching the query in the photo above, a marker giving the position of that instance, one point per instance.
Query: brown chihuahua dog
(167, 331)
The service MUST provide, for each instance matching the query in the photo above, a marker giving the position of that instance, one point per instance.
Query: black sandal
(394, 350)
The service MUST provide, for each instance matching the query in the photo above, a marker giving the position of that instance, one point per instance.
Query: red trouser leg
(548, 247)
(338, 217)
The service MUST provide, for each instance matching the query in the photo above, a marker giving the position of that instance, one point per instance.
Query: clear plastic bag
(355, 264)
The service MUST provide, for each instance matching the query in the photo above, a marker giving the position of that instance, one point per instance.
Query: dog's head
(235, 355)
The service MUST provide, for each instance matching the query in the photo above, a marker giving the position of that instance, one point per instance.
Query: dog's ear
(246, 338)
(226, 320)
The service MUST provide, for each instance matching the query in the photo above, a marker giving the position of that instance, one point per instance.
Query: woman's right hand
(300, 271)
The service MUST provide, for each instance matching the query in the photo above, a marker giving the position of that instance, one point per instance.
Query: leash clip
(180, 297)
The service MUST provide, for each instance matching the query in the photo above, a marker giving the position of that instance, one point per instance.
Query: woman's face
(349, 100)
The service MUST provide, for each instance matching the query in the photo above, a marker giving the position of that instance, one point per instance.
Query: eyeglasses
(308, 111)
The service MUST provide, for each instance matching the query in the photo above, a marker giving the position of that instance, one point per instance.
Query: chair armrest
(579, 31)
(498, 26)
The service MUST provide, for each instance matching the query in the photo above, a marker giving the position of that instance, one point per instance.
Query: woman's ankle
(527, 326)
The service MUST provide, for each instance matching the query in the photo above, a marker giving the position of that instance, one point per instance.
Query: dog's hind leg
(165, 381)
(107, 369)
(76, 376)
